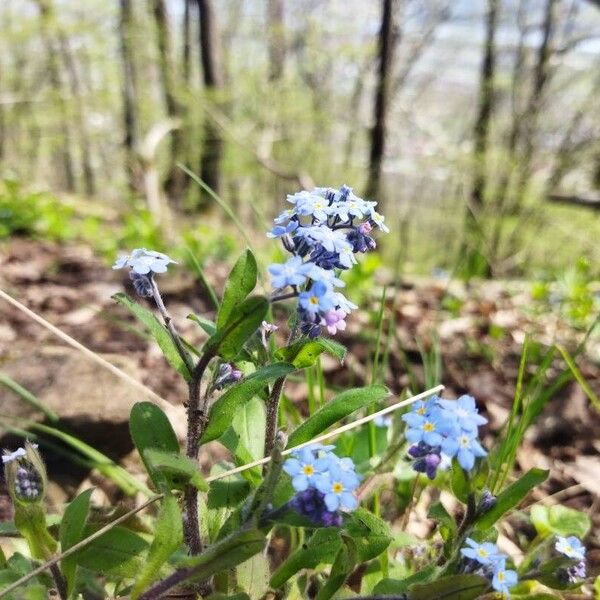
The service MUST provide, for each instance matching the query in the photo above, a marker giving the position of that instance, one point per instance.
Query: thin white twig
(86, 351)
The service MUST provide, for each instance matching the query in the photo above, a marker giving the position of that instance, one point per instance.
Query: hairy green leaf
(370, 533)
(158, 331)
(168, 536)
(455, 587)
(150, 428)
(341, 406)
(72, 529)
(511, 497)
(226, 407)
(241, 281)
(177, 470)
(560, 520)
(209, 327)
(305, 353)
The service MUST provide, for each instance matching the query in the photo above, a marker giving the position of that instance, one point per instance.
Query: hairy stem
(283, 297)
(170, 326)
(196, 422)
(59, 582)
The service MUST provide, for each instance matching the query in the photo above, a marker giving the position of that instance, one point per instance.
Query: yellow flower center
(568, 549)
(500, 575)
(314, 300)
(308, 469)
(428, 426)
(421, 411)
(464, 441)
(483, 553)
(337, 487)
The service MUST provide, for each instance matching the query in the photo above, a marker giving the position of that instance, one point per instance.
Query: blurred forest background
(474, 123)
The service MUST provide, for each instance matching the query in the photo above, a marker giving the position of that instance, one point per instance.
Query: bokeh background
(180, 125)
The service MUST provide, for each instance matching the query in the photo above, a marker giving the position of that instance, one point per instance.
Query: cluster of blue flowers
(441, 430)
(324, 483)
(324, 230)
(143, 265)
(572, 548)
(486, 559)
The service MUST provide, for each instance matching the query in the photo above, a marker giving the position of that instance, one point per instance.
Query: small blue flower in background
(485, 553)
(570, 547)
(378, 220)
(144, 262)
(382, 421)
(324, 483)
(503, 579)
(466, 449)
(292, 272)
(466, 411)
(432, 428)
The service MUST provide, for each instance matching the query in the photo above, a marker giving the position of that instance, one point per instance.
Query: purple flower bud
(227, 374)
(141, 283)
(487, 502)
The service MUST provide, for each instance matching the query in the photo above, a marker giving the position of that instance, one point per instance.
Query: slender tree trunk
(379, 130)
(79, 115)
(130, 113)
(276, 36)
(64, 152)
(476, 261)
(187, 41)
(213, 77)
(176, 179)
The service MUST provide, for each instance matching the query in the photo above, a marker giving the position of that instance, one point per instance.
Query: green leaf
(305, 353)
(341, 406)
(446, 524)
(459, 482)
(560, 520)
(342, 566)
(322, 547)
(241, 281)
(72, 529)
(253, 575)
(227, 406)
(209, 327)
(370, 533)
(150, 428)
(455, 587)
(228, 341)
(158, 331)
(228, 492)
(178, 470)
(246, 437)
(511, 497)
(168, 536)
(225, 554)
(400, 586)
(117, 552)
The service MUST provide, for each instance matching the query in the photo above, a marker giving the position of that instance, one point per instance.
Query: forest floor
(479, 331)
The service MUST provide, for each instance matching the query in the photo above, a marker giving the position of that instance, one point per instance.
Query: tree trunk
(79, 115)
(276, 36)
(187, 41)
(378, 132)
(176, 180)
(130, 113)
(64, 152)
(476, 261)
(213, 77)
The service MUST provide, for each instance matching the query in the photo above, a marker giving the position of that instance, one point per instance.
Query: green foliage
(456, 587)
(72, 530)
(334, 411)
(226, 407)
(158, 331)
(241, 281)
(173, 471)
(304, 353)
(560, 520)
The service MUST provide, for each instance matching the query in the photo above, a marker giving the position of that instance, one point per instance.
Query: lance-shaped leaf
(117, 552)
(455, 587)
(150, 428)
(227, 342)
(207, 325)
(459, 482)
(224, 555)
(370, 533)
(168, 536)
(511, 497)
(226, 407)
(392, 587)
(305, 353)
(241, 281)
(72, 530)
(322, 547)
(158, 331)
(344, 563)
(341, 406)
(177, 470)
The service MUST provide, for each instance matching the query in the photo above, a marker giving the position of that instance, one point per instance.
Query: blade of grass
(26, 395)
(579, 377)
